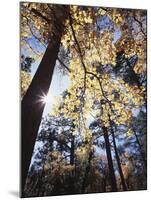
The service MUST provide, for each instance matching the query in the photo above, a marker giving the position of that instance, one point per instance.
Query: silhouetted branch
(62, 63)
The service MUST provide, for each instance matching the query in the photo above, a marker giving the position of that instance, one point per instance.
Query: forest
(88, 134)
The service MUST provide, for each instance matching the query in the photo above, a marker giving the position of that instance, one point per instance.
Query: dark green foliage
(125, 69)
(26, 63)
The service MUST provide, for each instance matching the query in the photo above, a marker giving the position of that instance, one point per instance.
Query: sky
(59, 83)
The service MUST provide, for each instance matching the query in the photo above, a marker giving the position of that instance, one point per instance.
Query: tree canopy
(94, 137)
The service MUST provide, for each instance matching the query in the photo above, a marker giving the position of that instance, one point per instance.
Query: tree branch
(36, 12)
(84, 67)
(62, 63)
(140, 24)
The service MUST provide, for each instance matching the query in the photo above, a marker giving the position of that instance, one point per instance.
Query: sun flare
(44, 99)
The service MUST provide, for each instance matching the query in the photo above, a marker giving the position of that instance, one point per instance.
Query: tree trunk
(32, 106)
(110, 161)
(140, 149)
(117, 158)
(72, 151)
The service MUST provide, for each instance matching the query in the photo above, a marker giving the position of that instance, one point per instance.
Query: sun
(44, 99)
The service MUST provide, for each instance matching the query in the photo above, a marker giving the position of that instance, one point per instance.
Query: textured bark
(110, 161)
(32, 107)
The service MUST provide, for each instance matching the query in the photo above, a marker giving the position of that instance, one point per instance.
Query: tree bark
(32, 106)
(117, 158)
(110, 161)
(72, 151)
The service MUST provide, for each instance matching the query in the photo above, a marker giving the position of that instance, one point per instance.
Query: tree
(31, 103)
(25, 73)
(104, 53)
(26, 63)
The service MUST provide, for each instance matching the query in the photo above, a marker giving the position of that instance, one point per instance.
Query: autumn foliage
(94, 137)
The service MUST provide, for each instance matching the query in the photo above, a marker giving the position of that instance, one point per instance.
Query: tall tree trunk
(141, 151)
(110, 161)
(72, 162)
(72, 151)
(32, 107)
(117, 157)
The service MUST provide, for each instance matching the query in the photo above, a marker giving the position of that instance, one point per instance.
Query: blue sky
(58, 84)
